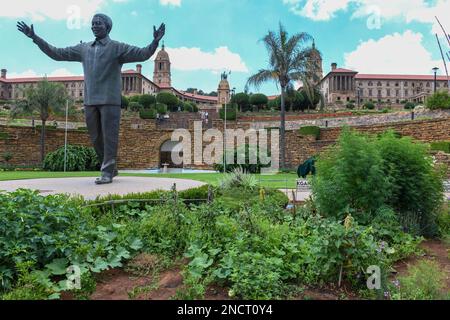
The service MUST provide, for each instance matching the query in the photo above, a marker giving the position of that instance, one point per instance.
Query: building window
(398, 100)
(81, 93)
(396, 84)
(379, 92)
(405, 84)
(406, 93)
(397, 93)
(360, 84)
(379, 84)
(160, 66)
(370, 92)
(370, 83)
(388, 92)
(388, 84)
(428, 84)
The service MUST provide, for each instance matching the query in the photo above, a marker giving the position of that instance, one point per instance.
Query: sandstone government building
(339, 86)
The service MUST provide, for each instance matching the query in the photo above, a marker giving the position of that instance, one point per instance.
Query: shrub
(169, 100)
(350, 106)
(249, 152)
(160, 108)
(79, 158)
(439, 100)
(231, 112)
(416, 190)
(441, 146)
(187, 107)
(310, 131)
(369, 106)
(135, 106)
(146, 100)
(350, 175)
(4, 135)
(147, 114)
(409, 105)
(362, 174)
(423, 282)
(7, 156)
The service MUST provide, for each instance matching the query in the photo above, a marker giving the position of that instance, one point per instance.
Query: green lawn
(282, 180)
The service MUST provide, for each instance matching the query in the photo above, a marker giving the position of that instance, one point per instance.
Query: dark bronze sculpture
(102, 61)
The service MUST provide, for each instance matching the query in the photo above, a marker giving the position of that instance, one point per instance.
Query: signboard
(303, 186)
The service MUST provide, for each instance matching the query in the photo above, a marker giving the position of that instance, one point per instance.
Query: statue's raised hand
(25, 29)
(159, 34)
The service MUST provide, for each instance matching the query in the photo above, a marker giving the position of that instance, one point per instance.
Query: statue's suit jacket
(102, 63)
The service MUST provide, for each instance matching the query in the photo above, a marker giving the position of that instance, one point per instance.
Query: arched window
(379, 84)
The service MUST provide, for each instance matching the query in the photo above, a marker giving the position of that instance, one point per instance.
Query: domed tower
(223, 92)
(316, 62)
(161, 73)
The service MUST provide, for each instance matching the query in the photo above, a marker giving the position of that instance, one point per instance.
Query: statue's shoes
(103, 180)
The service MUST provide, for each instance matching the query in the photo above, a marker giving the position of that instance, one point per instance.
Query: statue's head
(101, 25)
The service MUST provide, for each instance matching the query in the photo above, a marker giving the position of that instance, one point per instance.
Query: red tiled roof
(130, 71)
(272, 97)
(398, 77)
(341, 70)
(36, 79)
(199, 97)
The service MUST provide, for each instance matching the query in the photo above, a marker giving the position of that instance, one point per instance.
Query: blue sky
(206, 37)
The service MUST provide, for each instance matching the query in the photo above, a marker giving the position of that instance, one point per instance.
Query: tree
(242, 100)
(168, 99)
(259, 100)
(289, 61)
(46, 98)
(439, 100)
(147, 100)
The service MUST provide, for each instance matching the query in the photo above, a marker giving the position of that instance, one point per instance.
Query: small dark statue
(102, 61)
(306, 168)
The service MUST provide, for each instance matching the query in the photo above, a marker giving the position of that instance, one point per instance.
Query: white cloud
(175, 3)
(393, 54)
(190, 59)
(405, 10)
(318, 10)
(51, 9)
(31, 74)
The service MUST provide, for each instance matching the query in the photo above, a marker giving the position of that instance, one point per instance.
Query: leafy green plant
(135, 106)
(310, 131)
(409, 106)
(231, 112)
(52, 233)
(365, 173)
(147, 114)
(369, 106)
(439, 100)
(79, 158)
(425, 281)
(441, 146)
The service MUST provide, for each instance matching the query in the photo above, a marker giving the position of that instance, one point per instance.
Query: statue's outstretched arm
(129, 54)
(58, 54)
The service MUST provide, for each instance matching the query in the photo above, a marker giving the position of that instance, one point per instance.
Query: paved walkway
(89, 190)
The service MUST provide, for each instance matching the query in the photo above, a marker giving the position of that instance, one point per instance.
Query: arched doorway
(167, 148)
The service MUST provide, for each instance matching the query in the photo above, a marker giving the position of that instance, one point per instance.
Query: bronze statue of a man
(102, 61)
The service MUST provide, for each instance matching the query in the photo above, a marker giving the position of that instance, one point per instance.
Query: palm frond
(262, 76)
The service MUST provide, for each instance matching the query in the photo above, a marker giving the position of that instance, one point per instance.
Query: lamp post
(435, 69)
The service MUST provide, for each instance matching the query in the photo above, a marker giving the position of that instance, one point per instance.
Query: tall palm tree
(45, 98)
(289, 61)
